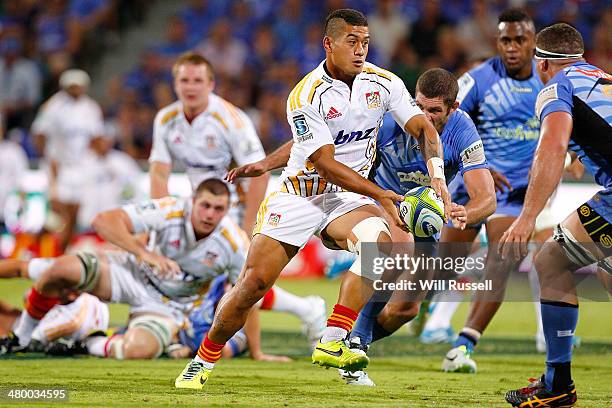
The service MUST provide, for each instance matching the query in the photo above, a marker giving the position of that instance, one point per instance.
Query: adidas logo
(332, 114)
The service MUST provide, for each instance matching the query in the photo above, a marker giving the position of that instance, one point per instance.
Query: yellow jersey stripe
(295, 94)
(175, 214)
(313, 89)
(226, 234)
(379, 73)
(220, 119)
(166, 118)
(234, 112)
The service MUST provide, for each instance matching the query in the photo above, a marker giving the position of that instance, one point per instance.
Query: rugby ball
(422, 211)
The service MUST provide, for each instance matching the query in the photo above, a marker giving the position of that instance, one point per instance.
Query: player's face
(515, 45)
(208, 210)
(348, 50)
(435, 109)
(193, 86)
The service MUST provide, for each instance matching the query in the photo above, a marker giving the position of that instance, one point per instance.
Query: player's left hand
(248, 170)
(271, 357)
(458, 216)
(439, 186)
(515, 239)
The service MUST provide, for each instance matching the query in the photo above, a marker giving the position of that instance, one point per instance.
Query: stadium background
(260, 49)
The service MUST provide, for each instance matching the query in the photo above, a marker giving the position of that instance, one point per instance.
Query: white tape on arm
(435, 166)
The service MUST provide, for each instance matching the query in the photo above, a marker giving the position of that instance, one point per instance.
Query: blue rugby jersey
(503, 110)
(400, 166)
(585, 92)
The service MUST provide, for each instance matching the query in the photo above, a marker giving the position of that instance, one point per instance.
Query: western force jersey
(222, 252)
(207, 145)
(400, 164)
(325, 111)
(503, 110)
(585, 92)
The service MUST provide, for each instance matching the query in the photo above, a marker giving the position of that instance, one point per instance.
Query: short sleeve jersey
(503, 110)
(69, 124)
(325, 111)
(222, 252)
(585, 92)
(207, 145)
(400, 165)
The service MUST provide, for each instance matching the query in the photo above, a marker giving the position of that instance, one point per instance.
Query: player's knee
(371, 229)
(62, 273)
(254, 284)
(147, 337)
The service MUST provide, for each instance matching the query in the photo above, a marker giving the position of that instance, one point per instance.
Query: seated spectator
(478, 31)
(227, 53)
(20, 84)
(387, 27)
(176, 42)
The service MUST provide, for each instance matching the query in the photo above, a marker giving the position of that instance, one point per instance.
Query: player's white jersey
(322, 110)
(222, 252)
(74, 320)
(69, 124)
(207, 145)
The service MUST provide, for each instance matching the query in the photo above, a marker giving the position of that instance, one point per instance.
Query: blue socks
(364, 326)
(559, 320)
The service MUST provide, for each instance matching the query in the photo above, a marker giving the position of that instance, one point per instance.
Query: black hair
(348, 16)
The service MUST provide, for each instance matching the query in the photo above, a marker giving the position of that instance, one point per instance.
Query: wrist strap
(435, 165)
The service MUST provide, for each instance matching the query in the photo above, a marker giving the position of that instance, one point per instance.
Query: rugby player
(334, 113)
(401, 168)
(576, 113)
(204, 133)
(500, 97)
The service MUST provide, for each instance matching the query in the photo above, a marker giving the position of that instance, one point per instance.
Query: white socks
(207, 365)
(96, 345)
(24, 328)
(332, 333)
(38, 266)
(442, 314)
(290, 303)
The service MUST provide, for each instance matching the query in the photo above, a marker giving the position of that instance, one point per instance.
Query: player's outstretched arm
(341, 175)
(544, 177)
(273, 161)
(116, 227)
(431, 148)
(481, 190)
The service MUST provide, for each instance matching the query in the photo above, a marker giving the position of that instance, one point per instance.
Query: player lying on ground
(334, 113)
(195, 242)
(575, 111)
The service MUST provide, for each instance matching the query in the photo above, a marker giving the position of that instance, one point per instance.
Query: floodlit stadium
(205, 202)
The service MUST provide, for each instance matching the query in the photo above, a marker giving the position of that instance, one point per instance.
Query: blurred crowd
(259, 48)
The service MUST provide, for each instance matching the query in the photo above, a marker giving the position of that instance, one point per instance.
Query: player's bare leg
(559, 306)
(68, 212)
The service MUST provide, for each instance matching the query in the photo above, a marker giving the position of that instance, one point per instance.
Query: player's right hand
(387, 200)
(439, 186)
(165, 267)
(501, 182)
(248, 170)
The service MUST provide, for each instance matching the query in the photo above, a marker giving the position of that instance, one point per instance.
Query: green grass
(406, 372)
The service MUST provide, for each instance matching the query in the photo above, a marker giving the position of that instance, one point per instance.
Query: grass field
(406, 372)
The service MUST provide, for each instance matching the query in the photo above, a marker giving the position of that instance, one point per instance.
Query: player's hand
(387, 201)
(271, 357)
(501, 182)
(458, 215)
(514, 241)
(165, 267)
(439, 186)
(248, 170)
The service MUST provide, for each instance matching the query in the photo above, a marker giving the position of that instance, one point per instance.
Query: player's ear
(327, 41)
(454, 106)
